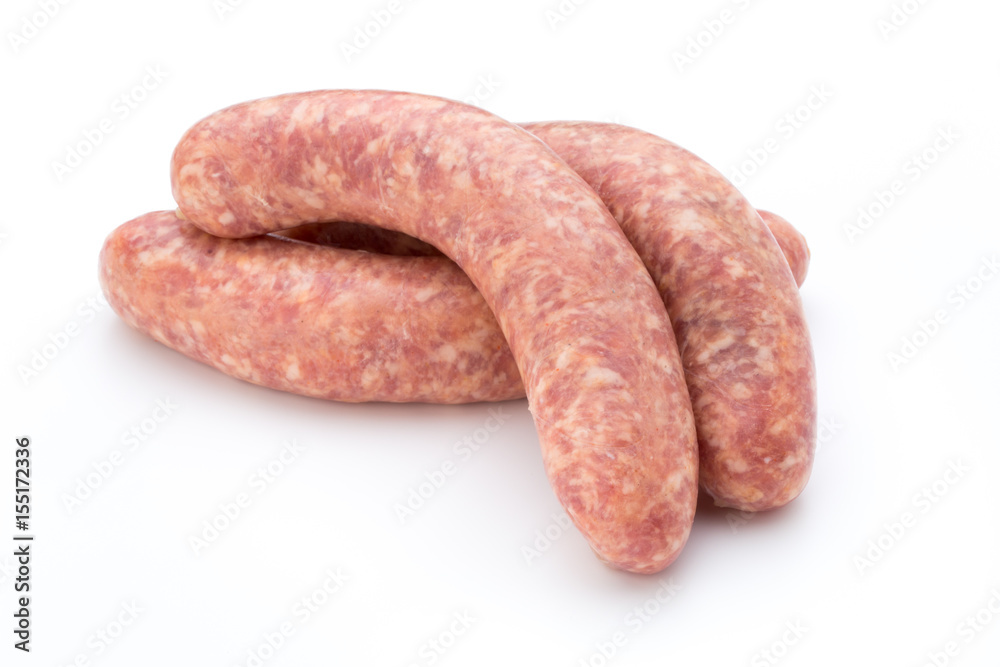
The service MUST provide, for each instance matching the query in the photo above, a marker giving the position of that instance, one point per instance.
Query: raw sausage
(584, 322)
(318, 321)
(732, 300)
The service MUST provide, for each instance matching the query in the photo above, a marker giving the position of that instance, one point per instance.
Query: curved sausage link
(322, 322)
(583, 320)
(732, 300)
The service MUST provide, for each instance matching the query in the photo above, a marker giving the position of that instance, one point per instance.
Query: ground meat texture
(733, 303)
(583, 320)
(312, 320)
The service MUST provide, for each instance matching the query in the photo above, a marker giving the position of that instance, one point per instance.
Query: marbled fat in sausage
(318, 321)
(248, 306)
(733, 303)
(583, 320)
(480, 386)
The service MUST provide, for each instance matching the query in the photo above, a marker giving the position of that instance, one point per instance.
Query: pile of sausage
(384, 246)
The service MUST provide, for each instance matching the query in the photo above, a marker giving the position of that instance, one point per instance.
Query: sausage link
(312, 320)
(583, 320)
(793, 245)
(732, 300)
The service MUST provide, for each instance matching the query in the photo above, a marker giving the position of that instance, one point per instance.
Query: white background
(888, 431)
